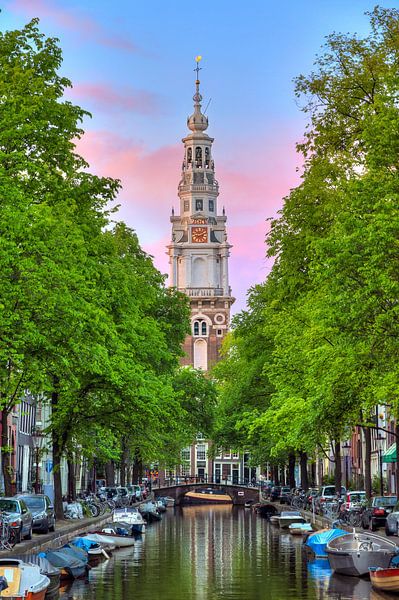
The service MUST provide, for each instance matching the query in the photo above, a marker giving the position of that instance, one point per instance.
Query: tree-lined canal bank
(211, 553)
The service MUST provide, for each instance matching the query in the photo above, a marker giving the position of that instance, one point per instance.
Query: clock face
(199, 235)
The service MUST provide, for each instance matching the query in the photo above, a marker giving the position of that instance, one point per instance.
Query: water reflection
(212, 553)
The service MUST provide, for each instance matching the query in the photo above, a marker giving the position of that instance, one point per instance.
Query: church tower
(199, 250)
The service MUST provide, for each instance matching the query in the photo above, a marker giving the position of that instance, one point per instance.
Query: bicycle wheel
(93, 508)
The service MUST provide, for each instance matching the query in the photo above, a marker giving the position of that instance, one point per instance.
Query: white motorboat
(23, 580)
(130, 516)
(289, 517)
(103, 540)
(120, 541)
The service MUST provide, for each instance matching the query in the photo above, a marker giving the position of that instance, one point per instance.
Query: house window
(236, 456)
(185, 454)
(203, 328)
(201, 452)
(196, 328)
(199, 205)
(211, 206)
(219, 332)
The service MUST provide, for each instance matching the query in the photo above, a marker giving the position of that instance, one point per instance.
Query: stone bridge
(240, 494)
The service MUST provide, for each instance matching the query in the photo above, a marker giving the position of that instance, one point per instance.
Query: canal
(212, 553)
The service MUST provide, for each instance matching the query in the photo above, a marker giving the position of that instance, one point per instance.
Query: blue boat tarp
(318, 541)
(84, 543)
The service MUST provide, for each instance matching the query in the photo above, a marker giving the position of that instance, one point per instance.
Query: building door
(236, 474)
(226, 472)
(217, 473)
(201, 473)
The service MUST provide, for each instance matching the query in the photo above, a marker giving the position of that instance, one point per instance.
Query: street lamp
(346, 447)
(37, 441)
(380, 438)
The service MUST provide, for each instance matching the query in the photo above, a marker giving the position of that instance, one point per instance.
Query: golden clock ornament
(199, 235)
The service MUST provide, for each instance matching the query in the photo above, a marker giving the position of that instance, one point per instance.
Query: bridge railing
(194, 479)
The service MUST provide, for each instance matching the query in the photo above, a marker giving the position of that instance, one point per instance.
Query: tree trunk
(137, 466)
(291, 470)
(71, 480)
(5, 455)
(303, 458)
(367, 461)
(276, 479)
(57, 455)
(124, 458)
(110, 473)
(397, 459)
(338, 467)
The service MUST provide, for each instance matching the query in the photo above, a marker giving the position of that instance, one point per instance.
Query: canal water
(212, 553)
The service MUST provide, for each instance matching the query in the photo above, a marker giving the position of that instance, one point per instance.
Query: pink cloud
(106, 97)
(76, 22)
(150, 180)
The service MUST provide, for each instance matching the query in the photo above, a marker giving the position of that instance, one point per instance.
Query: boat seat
(13, 577)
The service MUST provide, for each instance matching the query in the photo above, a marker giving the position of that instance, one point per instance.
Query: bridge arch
(239, 494)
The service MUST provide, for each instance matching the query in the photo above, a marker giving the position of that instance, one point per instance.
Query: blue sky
(132, 63)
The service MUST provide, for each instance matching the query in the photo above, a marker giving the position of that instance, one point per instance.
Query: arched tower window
(198, 156)
(200, 328)
(207, 157)
(189, 155)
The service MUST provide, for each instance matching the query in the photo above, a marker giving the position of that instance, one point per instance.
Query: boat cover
(80, 553)
(84, 543)
(318, 541)
(64, 560)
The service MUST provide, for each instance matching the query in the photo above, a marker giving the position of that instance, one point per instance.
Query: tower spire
(197, 121)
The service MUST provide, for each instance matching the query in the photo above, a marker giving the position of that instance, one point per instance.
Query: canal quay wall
(64, 533)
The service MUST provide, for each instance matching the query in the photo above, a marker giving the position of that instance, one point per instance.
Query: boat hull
(285, 522)
(353, 554)
(200, 498)
(385, 579)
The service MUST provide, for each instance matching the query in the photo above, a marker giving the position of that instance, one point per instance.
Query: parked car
(109, 491)
(326, 494)
(376, 511)
(42, 511)
(19, 517)
(275, 493)
(390, 506)
(285, 495)
(354, 499)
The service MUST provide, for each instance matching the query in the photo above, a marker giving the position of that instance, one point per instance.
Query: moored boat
(47, 569)
(207, 496)
(266, 510)
(353, 553)
(385, 579)
(316, 543)
(69, 564)
(131, 516)
(119, 541)
(24, 581)
(300, 528)
(289, 517)
(149, 512)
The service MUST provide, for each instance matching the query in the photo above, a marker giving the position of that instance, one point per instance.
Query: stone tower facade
(199, 250)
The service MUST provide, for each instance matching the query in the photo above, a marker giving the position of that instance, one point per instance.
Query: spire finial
(197, 122)
(198, 68)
